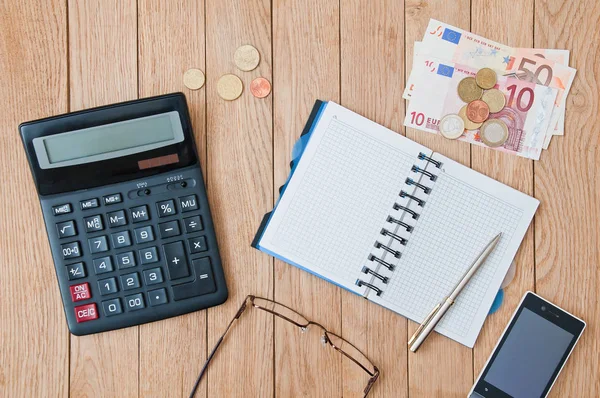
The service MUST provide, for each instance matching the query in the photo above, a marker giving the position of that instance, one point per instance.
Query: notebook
(387, 218)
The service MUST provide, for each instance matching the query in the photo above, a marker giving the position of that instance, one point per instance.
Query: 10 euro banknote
(526, 114)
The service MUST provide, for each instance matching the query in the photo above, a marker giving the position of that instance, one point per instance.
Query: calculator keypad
(123, 259)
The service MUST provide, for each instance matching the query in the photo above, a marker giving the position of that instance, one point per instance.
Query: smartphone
(530, 353)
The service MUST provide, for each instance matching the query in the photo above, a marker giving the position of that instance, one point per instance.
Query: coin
(469, 125)
(478, 111)
(495, 99)
(468, 90)
(494, 133)
(486, 78)
(193, 79)
(452, 126)
(229, 87)
(246, 58)
(260, 87)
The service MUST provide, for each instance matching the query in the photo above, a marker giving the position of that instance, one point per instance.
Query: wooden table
(58, 56)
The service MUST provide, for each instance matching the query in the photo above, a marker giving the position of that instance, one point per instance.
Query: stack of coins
(482, 100)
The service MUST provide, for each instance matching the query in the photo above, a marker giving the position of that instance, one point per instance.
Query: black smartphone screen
(531, 352)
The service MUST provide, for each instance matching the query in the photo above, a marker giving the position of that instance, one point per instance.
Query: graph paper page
(464, 211)
(339, 196)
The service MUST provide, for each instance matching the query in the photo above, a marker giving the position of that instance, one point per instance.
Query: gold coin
(495, 99)
(469, 125)
(246, 58)
(468, 90)
(486, 78)
(193, 79)
(229, 87)
(494, 133)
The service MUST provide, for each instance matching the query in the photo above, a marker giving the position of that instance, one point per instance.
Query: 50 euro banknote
(454, 44)
(526, 113)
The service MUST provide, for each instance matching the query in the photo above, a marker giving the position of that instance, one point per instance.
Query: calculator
(126, 213)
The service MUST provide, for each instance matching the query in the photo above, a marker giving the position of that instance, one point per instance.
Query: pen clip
(424, 323)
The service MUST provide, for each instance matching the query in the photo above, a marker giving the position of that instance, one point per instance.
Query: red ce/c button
(87, 312)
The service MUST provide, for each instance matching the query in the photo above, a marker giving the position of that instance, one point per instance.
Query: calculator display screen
(108, 141)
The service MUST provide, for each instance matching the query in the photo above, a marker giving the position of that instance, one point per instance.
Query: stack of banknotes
(536, 83)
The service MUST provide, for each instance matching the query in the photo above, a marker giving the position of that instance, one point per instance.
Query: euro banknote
(526, 114)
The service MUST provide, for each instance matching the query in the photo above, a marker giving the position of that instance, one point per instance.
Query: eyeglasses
(338, 343)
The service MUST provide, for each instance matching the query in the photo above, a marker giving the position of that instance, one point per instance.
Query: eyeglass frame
(373, 375)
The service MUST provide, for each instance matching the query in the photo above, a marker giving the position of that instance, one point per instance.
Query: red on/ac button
(80, 292)
(87, 312)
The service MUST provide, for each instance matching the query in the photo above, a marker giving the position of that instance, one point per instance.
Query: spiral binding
(385, 232)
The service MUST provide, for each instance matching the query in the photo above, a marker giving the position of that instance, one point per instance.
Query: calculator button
(144, 234)
(188, 203)
(148, 256)
(112, 199)
(203, 284)
(98, 244)
(134, 302)
(116, 219)
(176, 260)
(89, 204)
(66, 229)
(157, 297)
(169, 229)
(70, 250)
(166, 208)
(193, 224)
(76, 271)
(103, 265)
(80, 292)
(112, 307)
(86, 312)
(153, 276)
(197, 244)
(93, 223)
(62, 209)
(125, 260)
(130, 281)
(120, 239)
(139, 214)
(107, 286)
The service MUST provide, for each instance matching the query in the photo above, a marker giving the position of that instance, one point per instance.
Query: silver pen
(438, 312)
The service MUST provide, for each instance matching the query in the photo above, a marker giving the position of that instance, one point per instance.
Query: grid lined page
(457, 222)
(343, 200)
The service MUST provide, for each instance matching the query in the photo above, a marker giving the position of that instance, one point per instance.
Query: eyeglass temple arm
(212, 354)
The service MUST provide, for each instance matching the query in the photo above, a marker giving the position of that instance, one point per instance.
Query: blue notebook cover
(297, 152)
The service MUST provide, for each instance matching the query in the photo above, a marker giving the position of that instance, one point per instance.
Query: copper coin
(260, 87)
(478, 111)
(469, 125)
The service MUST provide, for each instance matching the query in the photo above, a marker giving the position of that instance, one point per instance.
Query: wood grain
(240, 189)
(34, 358)
(489, 20)
(306, 68)
(171, 40)
(442, 367)
(60, 56)
(567, 182)
(372, 72)
(103, 70)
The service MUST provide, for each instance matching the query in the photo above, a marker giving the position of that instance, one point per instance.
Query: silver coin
(494, 133)
(452, 126)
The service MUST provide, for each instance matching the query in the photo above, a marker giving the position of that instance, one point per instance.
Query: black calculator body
(126, 212)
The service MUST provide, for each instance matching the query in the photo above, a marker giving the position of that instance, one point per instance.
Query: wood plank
(442, 367)
(567, 231)
(34, 359)
(306, 68)
(103, 70)
(372, 69)
(171, 40)
(489, 20)
(240, 188)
